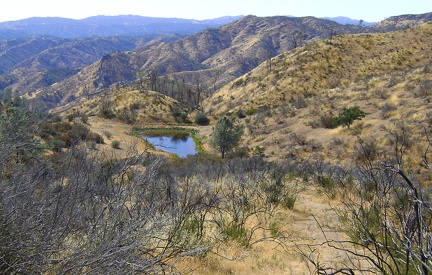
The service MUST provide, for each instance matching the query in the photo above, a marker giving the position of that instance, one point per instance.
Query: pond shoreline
(169, 138)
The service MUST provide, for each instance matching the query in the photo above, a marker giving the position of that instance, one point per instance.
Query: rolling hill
(57, 71)
(288, 107)
(214, 56)
(30, 64)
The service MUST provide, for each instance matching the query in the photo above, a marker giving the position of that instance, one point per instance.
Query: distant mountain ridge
(395, 23)
(58, 72)
(209, 59)
(346, 20)
(122, 25)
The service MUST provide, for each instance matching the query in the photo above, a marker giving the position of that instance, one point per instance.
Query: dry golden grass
(271, 258)
(387, 75)
(141, 106)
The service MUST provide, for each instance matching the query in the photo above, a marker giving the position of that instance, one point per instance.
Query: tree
(17, 142)
(348, 115)
(7, 98)
(226, 135)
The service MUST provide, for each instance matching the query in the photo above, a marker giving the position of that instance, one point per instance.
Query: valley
(330, 174)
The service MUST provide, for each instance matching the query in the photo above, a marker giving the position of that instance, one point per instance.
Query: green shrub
(108, 134)
(300, 103)
(176, 112)
(328, 184)
(115, 144)
(201, 119)
(105, 109)
(79, 132)
(347, 116)
(251, 111)
(84, 118)
(288, 201)
(236, 233)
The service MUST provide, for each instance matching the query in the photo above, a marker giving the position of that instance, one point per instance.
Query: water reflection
(181, 145)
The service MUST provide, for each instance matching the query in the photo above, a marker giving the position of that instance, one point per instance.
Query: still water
(182, 147)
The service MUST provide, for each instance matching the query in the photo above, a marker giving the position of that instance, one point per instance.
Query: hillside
(33, 64)
(30, 64)
(288, 107)
(204, 62)
(214, 56)
(401, 22)
(197, 65)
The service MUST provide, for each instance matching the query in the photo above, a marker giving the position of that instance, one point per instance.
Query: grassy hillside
(200, 63)
(208, 59)
(290, 99)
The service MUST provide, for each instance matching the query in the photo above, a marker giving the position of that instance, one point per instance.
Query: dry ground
(302, 225)
(303, 229)
(117, 131)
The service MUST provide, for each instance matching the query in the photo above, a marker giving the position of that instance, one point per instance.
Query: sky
(367, 10)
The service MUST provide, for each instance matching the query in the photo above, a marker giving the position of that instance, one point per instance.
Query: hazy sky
(368, 10)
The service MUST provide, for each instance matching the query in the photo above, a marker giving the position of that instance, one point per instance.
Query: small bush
(79, 132)
(300, 103)
(84, 118)
(95, 137)
(251, 111)
(236, 233)
(108, 134)
(176, 112)
(105, 109)
(348, 116)
(327, 121)
(328, 184)
(115, 144)
(201, 119)
(288, 202)
(72, 116)
(238, 82)
(91, 145)
(57, 145)
(300, 139)
(241, 114)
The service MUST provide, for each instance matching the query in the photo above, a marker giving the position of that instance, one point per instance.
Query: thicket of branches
(80, 211)
(386, 211)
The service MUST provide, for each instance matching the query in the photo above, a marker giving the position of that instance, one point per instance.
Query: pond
(181, 146)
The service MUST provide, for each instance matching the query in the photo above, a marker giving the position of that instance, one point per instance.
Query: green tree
(17, 136)
(226, 135)
(348, 116)
(7, 98)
